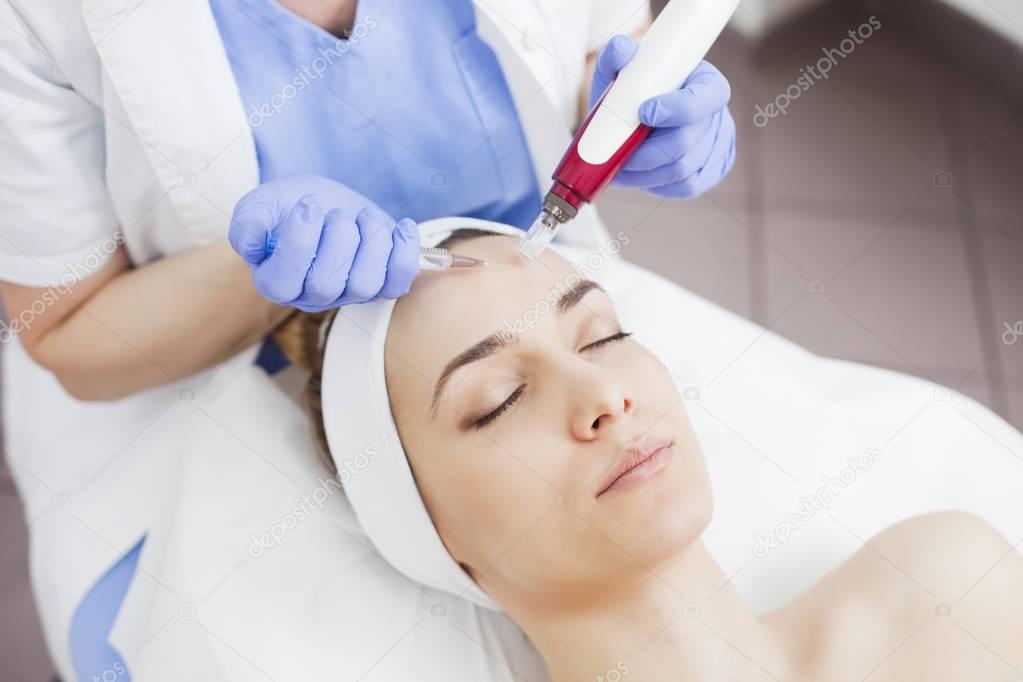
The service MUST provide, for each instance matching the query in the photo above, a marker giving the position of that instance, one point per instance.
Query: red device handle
(579, 182)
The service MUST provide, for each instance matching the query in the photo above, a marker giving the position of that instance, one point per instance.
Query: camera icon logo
(1012, 333)
(692, 609)
(59, 72)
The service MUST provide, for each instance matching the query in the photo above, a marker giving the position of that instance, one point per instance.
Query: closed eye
(603, 342)
(484, 421)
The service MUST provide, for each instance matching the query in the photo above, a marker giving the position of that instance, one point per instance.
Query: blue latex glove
(692, 147)
(315, 244)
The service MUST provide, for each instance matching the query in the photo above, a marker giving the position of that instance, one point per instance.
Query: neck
(682, 620)
(333, 16)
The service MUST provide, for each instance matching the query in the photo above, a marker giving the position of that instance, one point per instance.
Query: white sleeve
(612, 17)
(55, 213)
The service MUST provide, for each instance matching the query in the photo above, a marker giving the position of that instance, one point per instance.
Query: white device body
(672, 48)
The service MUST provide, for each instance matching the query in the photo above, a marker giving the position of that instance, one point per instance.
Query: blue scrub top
(412, 111)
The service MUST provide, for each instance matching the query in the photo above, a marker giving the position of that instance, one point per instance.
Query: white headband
(358, 421)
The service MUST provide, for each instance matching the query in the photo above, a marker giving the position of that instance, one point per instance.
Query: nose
(602, 403)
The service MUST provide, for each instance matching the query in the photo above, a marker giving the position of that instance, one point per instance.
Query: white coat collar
(547, 137)
(167, 65)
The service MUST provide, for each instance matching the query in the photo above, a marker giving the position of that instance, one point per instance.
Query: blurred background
(879, 219)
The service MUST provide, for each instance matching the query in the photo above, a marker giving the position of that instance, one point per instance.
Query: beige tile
(990, 379)
(693, 243)
(733, 55)
(22, 651)
(825, 244)
(6, 482)
(818, 324)
(979, 387)
(826, 155)
(1003, 265)
(819, 244)
(1014, 414)
(911, 289)
(12, 524)
(850, 257)
(900, 90)
(996, 179)
(989, 122)
(923, 57)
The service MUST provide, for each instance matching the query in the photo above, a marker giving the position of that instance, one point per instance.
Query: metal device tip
(458, 261)
(538, 237)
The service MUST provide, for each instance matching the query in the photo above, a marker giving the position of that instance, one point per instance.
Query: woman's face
(517, 400)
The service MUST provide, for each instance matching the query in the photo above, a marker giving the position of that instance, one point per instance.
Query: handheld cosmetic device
(430, 258)
(671, 49)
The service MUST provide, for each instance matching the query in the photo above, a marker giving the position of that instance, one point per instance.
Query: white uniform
(120, 123)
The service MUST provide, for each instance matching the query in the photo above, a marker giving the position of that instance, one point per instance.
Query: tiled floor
(893, 189)
(23, 656)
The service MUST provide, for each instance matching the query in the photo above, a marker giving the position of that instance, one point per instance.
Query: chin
(662, 518)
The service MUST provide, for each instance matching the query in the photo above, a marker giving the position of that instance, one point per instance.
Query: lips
(637, 464)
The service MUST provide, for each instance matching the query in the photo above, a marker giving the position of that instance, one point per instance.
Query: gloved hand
(315, 244)
(692, 146)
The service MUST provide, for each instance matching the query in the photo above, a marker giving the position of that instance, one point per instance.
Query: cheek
(483, 499)
(650, 383)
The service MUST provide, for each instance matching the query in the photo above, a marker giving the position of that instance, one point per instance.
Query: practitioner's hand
(315, 244)
(692, 147)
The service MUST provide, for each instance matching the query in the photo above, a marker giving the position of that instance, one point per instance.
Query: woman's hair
(299, 339)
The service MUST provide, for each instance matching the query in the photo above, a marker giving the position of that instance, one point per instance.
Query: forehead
(442, 300)
(445, 312)
(504, 265)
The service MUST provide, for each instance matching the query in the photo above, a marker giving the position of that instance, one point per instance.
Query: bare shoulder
(930, 576)
(962, 528)
(933, 555)
(973, 577)
(945, 553)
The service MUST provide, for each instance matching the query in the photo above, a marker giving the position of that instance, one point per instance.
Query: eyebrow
(498, 340)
